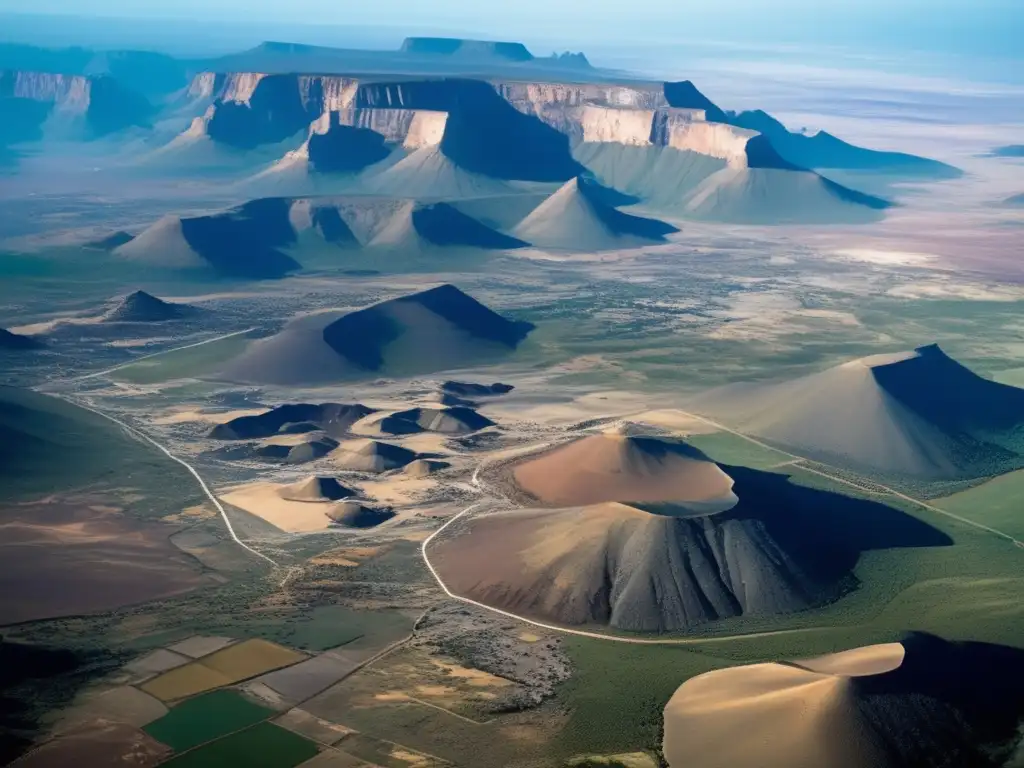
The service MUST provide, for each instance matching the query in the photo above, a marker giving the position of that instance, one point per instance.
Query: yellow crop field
(185, 681)
(225, 667)
(251, 658)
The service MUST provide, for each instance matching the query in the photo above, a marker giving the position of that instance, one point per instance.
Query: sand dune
(922, 702)
(447, 421)
(425, 467)
(428, 174)
(616, 565)
(297, 452)
(371, 456)
(255, 239)
(242, 242)
(654, 565)
(142, 307)
(162, 244)
(700, 186)
(352, 514)
(779, 196)
(418, 226)
(432, 330)
(918, 414)
(663, 177)
(315, 490)
(576, 218)
(273, 504)
(610, 467)
(333, 418)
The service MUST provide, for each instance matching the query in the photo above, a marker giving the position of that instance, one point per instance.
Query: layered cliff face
(681, 129)
(90, 106)
(475, 127)
(351, 140)
(666, 144)
(511, 130)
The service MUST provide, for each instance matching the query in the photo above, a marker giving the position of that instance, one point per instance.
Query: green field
(996, 503)
(206, 717)
(263, 746)
(183, 363)
(48, 445)
(727, 448)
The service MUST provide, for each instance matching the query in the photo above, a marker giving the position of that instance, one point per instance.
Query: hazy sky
(992, 27)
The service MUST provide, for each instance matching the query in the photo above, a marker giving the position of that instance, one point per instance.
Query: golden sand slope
(777, 715)
(613, 467)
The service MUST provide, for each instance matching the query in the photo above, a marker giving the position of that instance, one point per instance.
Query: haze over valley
(413, 396)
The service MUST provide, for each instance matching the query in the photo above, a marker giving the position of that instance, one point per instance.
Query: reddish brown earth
(70, 555)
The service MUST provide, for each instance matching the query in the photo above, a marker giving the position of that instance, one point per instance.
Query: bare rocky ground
(534, 660)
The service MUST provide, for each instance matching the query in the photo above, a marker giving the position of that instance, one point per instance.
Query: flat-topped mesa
(252, 109)
(67, 92)
(454, 46)
(97, 104)
(683, 129)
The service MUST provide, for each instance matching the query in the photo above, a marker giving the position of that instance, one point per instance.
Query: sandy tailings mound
(447, 421)
(242, 242)
(576, 218)
(681, 553)
(922, 702)
(428, 173)
(432, 330)
(755, 190)
(142, 307)
(425, 467)
(315, 490)
(293, 418)
(419, 226)
(458, 420)
(918, 414)
(372, 456)
(612, 467)
(780, 196)
(351, 514)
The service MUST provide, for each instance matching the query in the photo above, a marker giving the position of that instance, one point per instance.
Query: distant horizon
(959, 44)
(980, 27)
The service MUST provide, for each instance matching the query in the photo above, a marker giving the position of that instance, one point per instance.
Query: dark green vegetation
(996, 503)
(35, 680)
(205, 718)
(184, 363)
(263, 746)
(48, 445)
(618, 691)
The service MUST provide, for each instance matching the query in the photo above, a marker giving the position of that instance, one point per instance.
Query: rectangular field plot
(996, 503)
(262, 746)
(251, 658)
(226, 667)
(205, 718)
(308, 678)
(312, 727)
